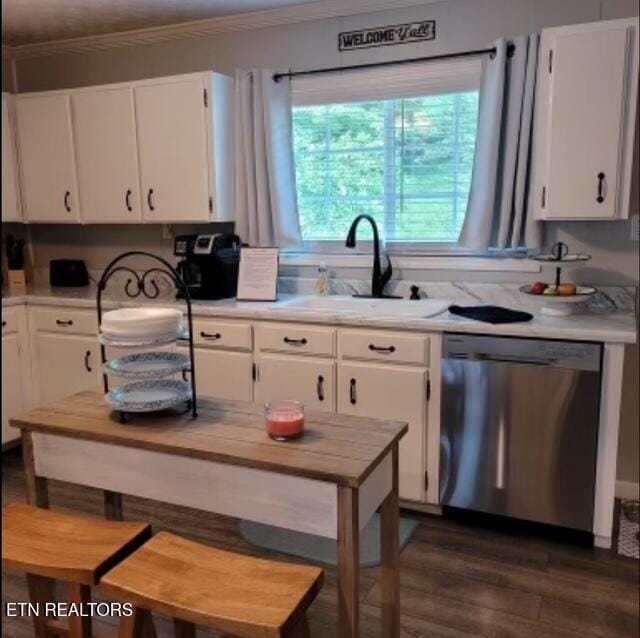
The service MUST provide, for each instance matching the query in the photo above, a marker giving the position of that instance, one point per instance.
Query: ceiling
(29, 21)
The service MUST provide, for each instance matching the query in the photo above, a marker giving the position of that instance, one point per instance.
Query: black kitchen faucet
(379, 279)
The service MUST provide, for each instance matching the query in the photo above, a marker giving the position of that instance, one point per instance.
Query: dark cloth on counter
(491, 314)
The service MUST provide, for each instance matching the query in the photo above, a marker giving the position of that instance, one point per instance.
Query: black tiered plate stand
(144, 284)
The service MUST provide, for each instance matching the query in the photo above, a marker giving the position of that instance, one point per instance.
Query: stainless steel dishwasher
(519, 427)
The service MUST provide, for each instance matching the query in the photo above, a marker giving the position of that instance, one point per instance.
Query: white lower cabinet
(396, 393)
(223, 375)
(65, 365)
(308, 379)
(12, 386)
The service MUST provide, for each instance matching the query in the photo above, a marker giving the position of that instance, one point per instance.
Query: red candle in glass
(284, 419)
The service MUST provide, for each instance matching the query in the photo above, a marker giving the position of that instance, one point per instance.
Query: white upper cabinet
(156, 151)
(10, 191)
(107, 155)
(585, 120)
(47, 163)
(179, 141)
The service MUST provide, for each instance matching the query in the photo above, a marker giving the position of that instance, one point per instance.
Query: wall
(461, 24)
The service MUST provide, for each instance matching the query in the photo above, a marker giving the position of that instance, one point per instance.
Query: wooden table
(327, 483)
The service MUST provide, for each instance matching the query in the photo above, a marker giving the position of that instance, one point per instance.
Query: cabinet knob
(601, 187)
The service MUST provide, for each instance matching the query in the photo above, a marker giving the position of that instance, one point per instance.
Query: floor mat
(628, 541)
(319, 549)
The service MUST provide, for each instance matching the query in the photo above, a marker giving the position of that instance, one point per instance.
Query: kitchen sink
(344, 304)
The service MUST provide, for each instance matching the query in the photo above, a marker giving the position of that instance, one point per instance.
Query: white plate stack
(154, 386)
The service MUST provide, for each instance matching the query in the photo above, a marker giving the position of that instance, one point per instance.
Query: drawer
(82, 322)
(296, 338)
(374, 345)
(9, 321)
(222, 334)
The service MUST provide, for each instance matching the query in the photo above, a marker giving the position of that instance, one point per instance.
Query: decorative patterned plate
(148, 365)
(141, 342)
(149, 396)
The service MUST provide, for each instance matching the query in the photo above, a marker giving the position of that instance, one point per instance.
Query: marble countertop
(611, 320)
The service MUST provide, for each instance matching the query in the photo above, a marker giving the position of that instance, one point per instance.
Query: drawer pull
(295, 342)
(390, 349)
(86, 361)
(320, 388)
(208, 335)
(352, 392)
(61, 322)
(601, 178)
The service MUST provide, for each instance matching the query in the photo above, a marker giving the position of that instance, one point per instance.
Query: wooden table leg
(390, 557)
(348, 563)
(113, 506)
(37, 488)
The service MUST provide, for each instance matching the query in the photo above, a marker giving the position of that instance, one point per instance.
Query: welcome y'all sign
(385, 36)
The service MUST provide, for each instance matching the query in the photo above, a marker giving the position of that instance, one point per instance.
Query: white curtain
(498, 213)
(266, 203)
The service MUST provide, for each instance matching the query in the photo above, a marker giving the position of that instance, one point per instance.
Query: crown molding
(319, 10)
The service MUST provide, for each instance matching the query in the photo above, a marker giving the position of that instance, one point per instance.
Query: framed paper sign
(258, 274)
(386, 36)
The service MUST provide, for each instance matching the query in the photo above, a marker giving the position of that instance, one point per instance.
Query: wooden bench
(50, 546)
(198, 585)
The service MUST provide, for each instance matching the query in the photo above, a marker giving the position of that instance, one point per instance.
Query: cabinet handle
(67, 205)
(127, 200)
(86, 361)
(320, 388)
(295, 342)
(352, 392)
(382, 348)
(150, 199)
(601, 184)
(60, 322)
(207, 335)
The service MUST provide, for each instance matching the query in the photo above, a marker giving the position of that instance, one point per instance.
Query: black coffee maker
(209, 264)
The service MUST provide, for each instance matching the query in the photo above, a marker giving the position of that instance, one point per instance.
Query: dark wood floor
(457, 580)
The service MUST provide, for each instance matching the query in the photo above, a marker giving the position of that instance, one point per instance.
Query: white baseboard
(627, 489)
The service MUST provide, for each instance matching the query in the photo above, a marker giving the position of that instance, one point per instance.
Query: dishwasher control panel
(578, 355)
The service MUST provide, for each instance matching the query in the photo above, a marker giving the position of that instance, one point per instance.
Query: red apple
(538, 288)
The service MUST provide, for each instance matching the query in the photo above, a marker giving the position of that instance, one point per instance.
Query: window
(404, 157)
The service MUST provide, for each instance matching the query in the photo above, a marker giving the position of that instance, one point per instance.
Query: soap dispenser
(322, 285)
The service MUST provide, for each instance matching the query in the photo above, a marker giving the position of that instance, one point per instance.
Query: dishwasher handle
(483, 356)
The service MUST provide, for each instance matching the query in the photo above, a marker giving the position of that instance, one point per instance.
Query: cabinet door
(80, 358)
(223, 375)
(12, 397)
(584, 121)
(396, 393)
(45, 145)
(10, 198)
(307, 379)
(107, 155)
(172, 138)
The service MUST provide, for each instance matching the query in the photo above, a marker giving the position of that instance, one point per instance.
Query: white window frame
(385, 83)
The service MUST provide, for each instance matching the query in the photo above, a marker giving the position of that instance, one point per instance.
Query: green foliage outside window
(407, 162)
